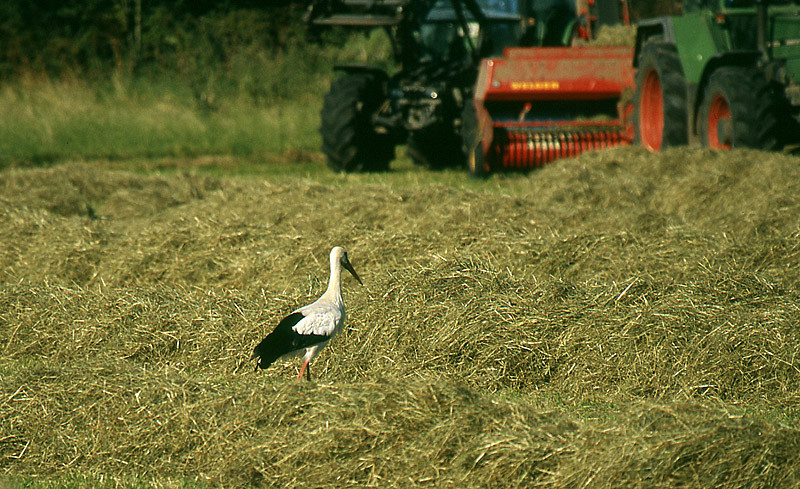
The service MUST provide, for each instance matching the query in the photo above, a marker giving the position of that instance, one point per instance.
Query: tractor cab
(719, 5)
(557, 23)
(550, 22)
(451, 32)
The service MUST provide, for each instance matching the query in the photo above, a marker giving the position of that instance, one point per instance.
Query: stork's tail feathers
(264, 356)
(284, 341)
(269, 350)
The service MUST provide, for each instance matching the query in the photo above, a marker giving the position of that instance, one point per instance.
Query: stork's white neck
(334, 290)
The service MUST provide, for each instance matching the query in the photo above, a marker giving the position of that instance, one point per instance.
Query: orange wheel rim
(718, 124)
(651, 112)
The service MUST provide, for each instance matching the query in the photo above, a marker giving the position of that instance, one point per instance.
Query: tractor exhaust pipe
(761, 27)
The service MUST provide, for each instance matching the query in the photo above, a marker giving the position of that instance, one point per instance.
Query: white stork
(310, 327)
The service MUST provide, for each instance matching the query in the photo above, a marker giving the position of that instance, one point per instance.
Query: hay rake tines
(524, 148)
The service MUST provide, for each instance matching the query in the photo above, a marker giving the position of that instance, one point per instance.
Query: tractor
(434, 103)
(724, 73)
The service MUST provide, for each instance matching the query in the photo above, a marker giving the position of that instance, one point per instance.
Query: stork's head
(339, 255)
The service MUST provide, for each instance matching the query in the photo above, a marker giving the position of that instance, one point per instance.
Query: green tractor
(438, 46)
(725, 72)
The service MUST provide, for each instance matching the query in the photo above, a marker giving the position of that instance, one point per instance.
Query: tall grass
(257, 103)
(53, 121)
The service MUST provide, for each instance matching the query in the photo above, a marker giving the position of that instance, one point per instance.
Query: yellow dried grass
(621, 319)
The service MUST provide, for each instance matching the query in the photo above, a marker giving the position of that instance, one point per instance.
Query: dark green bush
(182, 36)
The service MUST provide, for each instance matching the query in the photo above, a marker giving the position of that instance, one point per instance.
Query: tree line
(66, 35)
(58, 36)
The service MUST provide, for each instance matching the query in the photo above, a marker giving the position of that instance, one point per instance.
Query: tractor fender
(730, 58)
(658, 27)
(357, 68)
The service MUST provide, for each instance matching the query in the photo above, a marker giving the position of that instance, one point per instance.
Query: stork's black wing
(284, 340)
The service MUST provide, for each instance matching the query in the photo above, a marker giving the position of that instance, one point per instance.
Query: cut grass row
(623, 319)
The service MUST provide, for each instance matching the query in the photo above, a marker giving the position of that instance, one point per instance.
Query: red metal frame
(531, 75)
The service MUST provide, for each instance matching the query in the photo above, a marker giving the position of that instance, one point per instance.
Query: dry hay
(621, 319)
(614, 35)
(165, 425)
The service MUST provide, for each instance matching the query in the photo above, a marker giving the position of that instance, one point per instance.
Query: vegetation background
(161, 36)
(122, 78)
(621, 319)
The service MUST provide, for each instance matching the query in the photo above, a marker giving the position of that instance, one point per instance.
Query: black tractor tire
(739, 110)
(435, 150)
(660, 108)
(349, 139)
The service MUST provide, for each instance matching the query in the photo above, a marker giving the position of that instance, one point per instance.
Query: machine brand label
(535, 85)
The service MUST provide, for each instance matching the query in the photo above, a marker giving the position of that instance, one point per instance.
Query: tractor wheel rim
(471, 161)
(476, 162)
(719, 123)
(651, 112)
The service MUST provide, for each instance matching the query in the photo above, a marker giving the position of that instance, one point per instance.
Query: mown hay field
(622, 319)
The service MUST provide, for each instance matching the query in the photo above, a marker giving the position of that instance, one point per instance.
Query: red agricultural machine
(495, 84)
(533, 106)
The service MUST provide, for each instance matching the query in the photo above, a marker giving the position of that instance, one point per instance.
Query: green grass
(82, 480)
(256, 104)
(54, 121)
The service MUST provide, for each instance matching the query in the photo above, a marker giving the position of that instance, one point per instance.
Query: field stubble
(620, 319)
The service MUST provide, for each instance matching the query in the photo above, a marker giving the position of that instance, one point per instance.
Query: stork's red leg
(302, 369)
(308, 373)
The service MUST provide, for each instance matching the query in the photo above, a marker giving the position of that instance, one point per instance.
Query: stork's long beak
(350, 269)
